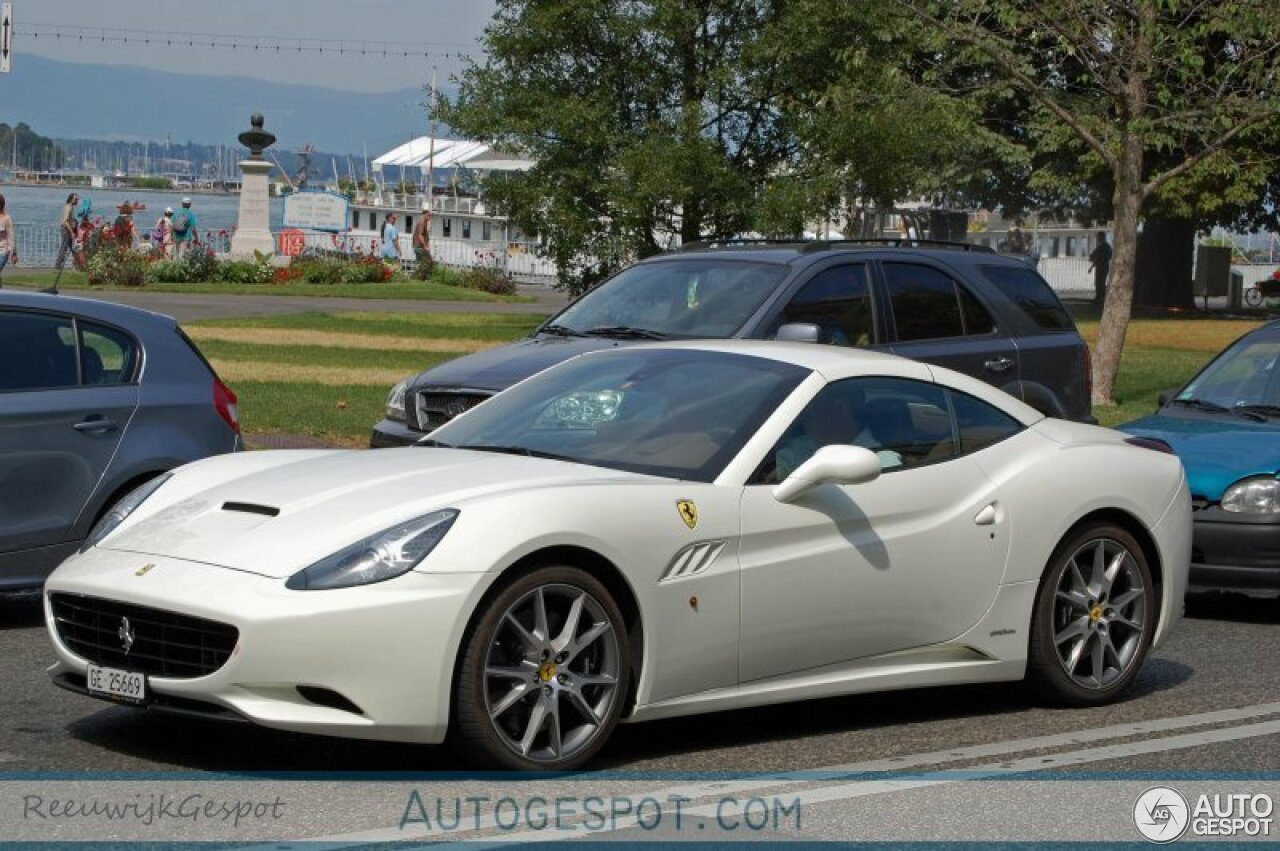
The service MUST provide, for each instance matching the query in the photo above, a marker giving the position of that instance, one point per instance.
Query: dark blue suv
(957, 305)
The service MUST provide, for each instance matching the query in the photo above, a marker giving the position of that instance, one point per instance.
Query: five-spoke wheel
(544, 672)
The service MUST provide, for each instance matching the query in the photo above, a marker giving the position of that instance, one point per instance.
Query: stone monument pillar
(253, 233)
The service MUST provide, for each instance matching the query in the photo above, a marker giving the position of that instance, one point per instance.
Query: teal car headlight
(379, 557)
(121, 511)
(1260, 495)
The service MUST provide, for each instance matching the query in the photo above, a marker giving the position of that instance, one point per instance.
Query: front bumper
(389, 434)
(388, 648)
(1237, 553)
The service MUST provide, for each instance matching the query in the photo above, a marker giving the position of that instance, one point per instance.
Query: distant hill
(78, 101)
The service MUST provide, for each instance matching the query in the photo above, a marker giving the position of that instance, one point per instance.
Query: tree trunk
(1119, 301)
(1166, 252)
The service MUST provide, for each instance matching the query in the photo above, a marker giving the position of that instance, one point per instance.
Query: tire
(533, 695)
(1090, 634)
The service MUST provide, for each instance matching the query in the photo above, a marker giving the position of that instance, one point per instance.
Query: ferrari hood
(1216, 452)
(498, 369)
(276, 520)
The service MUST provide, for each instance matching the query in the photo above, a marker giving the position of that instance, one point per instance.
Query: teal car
(1225, 426)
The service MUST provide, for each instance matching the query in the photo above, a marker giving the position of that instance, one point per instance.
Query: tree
(1125, 80)
(649, 122)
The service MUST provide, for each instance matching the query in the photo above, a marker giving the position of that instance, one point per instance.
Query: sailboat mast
(431, 148)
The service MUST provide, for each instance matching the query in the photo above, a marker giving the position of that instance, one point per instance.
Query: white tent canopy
(451, 153)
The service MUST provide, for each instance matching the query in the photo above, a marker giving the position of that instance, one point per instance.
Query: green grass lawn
(327, 374)
(420, 290)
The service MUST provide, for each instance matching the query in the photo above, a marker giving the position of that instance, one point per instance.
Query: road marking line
(697, 790)
(866, 788)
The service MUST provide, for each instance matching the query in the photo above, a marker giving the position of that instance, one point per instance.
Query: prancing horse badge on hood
(688, 512)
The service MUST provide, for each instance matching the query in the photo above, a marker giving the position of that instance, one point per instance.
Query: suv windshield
(693, 298)
(667, 412)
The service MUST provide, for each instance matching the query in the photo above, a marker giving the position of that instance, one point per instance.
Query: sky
(73, 30)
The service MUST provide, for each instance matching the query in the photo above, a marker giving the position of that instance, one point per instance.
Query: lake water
(43, 204)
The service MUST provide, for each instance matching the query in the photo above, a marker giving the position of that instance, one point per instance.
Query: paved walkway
(190, 307)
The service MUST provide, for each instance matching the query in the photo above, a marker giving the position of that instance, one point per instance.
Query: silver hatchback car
(96, 399)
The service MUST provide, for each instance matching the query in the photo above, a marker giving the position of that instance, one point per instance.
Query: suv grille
(434, 408)
(164, 644)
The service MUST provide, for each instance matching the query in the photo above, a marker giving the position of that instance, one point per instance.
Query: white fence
(518, 260)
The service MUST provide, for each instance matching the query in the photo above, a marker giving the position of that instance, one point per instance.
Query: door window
(838, 301)
(107, 356)
(980, 425)
(929, 305)
(906, 423)
(37, 352)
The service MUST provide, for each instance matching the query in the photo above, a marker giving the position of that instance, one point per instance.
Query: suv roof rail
(808, 246)
(897, 242)
(698, 244)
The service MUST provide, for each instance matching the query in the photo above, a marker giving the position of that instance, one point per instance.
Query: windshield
(675, 298)
(678, 413)
(1242, 377)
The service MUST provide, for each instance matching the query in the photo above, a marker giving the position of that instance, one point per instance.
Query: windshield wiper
(1201, 405)
(560, 331)
(1262, 412)
(626, 331)
(433, 443)
(519, 450)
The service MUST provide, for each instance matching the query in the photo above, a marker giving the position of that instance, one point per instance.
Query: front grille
(165, 644)
(434, 408)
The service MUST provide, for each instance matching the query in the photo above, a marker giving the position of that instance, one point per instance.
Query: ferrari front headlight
(120, 512)
(379, 557)
(1260, 495)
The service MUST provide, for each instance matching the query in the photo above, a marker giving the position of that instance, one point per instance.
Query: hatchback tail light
(225, 403)
(1153, 443)
(1088, 373)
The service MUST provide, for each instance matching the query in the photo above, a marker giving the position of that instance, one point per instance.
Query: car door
(910, 559)
(937, 319)
(67, 393)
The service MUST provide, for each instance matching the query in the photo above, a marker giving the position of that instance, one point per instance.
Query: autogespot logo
(1161, 814)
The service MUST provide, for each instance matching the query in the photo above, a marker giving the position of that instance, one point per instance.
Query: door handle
(987, 516)
(96, 422)
(999, 364)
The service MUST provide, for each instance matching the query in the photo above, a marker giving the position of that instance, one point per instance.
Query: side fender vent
(251, 508)
(692, 560)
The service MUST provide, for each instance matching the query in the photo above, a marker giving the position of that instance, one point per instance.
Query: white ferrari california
(634, 534)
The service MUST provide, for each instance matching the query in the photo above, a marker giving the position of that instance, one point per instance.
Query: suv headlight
(121, 511)
(395, 402)
(1259, 495)
(379, 557)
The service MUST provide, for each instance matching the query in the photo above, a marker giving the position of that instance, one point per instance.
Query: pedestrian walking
(1100, 266)
(67, 228)
(8, 240)
(390, 239)
(422, 243)
(184, 230)
(162, 234)
(122, 227)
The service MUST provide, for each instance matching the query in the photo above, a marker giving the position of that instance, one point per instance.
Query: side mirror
(839, 464)
(1166, 396)
(798, 332)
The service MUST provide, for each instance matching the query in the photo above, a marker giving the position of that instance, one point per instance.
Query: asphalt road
(971, 763)
(1225, 655)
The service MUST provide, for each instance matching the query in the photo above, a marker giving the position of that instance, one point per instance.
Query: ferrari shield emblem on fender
(688, 512)
(144, 570)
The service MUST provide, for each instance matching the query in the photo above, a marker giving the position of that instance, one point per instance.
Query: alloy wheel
(551, 673)
(1099, 613)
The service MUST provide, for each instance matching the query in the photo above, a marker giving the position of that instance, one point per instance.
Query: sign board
(317, 210)
(6, 37)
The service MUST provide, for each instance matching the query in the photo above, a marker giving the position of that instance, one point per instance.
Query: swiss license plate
(116, 684)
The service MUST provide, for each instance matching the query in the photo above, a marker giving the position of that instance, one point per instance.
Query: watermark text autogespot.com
(597, 813)
(154, 809)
